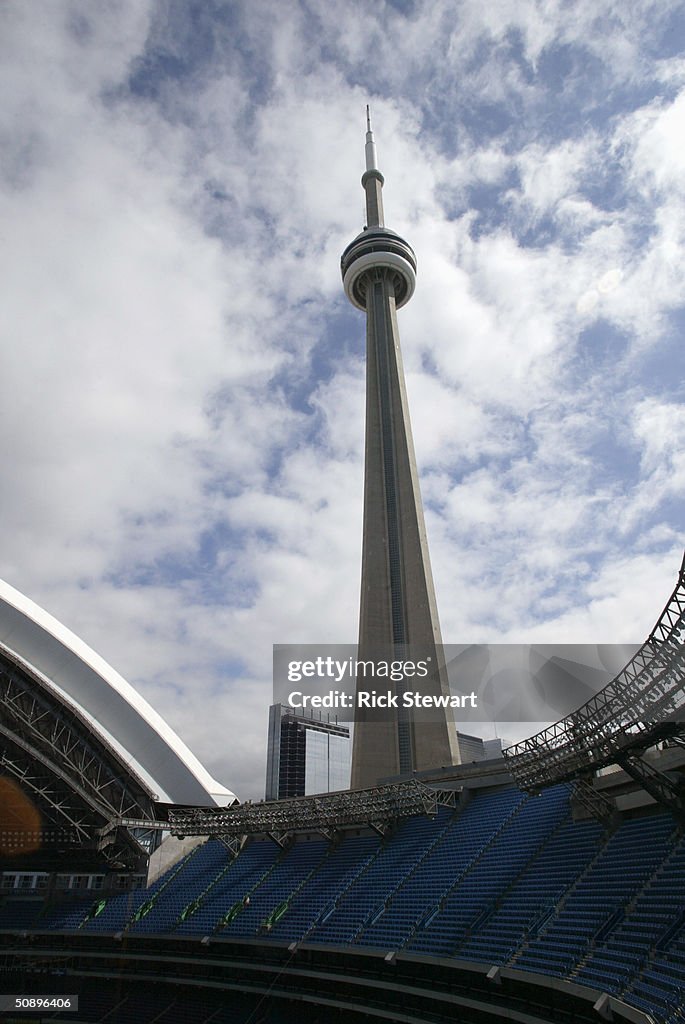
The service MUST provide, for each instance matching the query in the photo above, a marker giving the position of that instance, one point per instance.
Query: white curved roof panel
(115, 709)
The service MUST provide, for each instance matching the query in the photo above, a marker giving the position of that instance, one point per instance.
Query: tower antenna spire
(372, 179)
(371, 159)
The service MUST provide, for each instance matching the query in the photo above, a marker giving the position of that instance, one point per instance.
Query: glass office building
(306, 754)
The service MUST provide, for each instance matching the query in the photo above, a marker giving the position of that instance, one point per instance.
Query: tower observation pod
(398, 618)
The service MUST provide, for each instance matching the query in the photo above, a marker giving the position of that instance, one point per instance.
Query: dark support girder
(120, 838)
(659, 785)
(232, 843)
(598, 805)
(448, 797)
(279, 840)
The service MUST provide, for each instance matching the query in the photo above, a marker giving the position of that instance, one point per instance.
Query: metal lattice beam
(75, 780)
(645, 701)
(656, 783)
(330, 811)
(66, 820)
(596, 803)
(37, 718)
(232, 843)
(52, 796)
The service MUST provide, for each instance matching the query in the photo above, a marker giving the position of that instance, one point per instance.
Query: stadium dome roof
(69, 671)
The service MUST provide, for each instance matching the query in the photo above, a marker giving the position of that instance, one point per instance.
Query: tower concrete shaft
(398, 618)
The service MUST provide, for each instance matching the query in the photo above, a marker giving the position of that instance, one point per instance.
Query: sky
(183, 378)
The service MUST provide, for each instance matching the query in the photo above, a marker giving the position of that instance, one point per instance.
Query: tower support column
(398, 617)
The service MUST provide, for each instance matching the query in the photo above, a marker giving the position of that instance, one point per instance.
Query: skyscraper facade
(398, 612)
(306, 754)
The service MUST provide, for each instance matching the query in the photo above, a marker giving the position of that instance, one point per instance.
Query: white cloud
(655, 133)
(183, 400)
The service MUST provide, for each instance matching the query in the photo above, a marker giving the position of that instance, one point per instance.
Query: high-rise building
(306, 754)
(470, 747)
(398, 613)
(473, 748)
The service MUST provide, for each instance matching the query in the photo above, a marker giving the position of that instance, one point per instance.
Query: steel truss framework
(375, 808)
(75, 780)
(594, 801)
(643, 704)
(657, 783)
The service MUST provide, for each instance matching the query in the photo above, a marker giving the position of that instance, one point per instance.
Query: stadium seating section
(506, 879)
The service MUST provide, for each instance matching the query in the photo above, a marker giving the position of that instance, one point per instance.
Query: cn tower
(398, 616)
